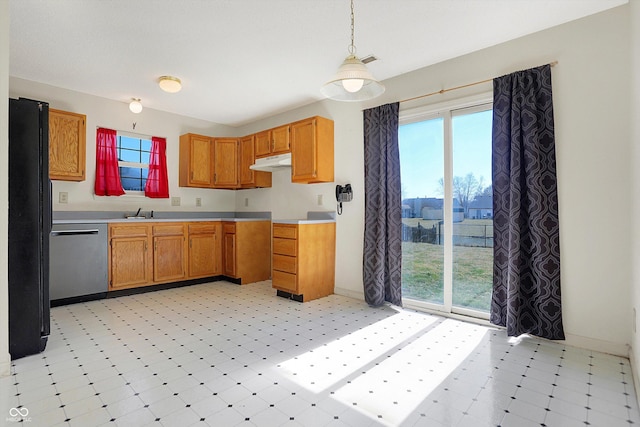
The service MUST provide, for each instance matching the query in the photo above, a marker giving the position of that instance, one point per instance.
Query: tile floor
(220, 354)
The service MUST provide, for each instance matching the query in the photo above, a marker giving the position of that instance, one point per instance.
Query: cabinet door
(196, 161)
(129, 262)
(225, 163)
(202, 255)
(229, 268)
(168, 258)
(248, 177)
(67, 145)
(247, 158)
(280, 140)
(304, 165)
(263, 143)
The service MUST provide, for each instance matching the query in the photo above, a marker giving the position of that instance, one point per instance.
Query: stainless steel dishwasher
(78, 262)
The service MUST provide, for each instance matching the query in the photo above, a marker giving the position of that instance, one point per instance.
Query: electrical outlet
(319, 199)
(63, 197)
(175, 201)
(246, 202)
(198, 201)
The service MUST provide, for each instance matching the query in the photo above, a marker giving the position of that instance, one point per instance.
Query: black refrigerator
(29, 226)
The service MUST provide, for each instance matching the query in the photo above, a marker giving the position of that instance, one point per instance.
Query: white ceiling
(241, 60)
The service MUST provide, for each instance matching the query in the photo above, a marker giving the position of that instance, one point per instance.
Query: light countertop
(302, 221)
(141, 220)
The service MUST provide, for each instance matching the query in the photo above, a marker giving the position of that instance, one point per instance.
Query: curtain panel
(526, 274)
(107, 173)
(382, 263)
(157, 185)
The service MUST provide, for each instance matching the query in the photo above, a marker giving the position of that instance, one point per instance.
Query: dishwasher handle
(74, 232)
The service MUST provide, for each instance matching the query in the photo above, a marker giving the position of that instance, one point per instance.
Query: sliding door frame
(446, 111)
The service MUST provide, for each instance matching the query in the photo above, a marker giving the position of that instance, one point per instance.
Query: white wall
(5, 358)
(102, 112)
(592, 132)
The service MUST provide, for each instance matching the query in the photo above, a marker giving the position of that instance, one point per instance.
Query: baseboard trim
(5, 365)
(634, 373)
(616, 349)
(349, 293)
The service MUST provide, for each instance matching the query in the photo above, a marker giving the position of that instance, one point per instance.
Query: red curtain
(157, 185)
(107, 173)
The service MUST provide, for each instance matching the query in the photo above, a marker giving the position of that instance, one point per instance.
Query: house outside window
(133, 162)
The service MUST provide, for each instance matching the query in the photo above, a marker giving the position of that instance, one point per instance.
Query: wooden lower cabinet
(304, 260)
(143, 254)
(130, 259)
(204, 249)
(169, 253)
(246, 249)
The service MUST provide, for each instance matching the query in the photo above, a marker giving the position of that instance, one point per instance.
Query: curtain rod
(126, 132)
(441, 91)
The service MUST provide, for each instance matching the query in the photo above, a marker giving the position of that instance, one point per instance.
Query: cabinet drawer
(202, 228)
(128, 231)
(228, 227)
(168, 230)
(284, 263)
(286, 232)
(284, 246)
(286, 281)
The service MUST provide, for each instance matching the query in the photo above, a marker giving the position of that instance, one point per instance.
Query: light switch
(175, 201)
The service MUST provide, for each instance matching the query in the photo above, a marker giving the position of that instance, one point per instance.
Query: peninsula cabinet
(248, 177)
(205, 249)
(67, 145)
(304, 260)
(312, 151)
(130, 256)
(196, 166)
(273, 141)
(169, 252)
(246, 249)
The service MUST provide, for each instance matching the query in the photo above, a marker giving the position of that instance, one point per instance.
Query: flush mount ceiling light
(353, 81)
(135, 105)
(170, 84)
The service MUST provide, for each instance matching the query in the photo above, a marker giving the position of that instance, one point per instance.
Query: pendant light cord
(352, 47)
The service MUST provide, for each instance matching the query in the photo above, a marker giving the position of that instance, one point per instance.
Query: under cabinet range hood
(272, 163)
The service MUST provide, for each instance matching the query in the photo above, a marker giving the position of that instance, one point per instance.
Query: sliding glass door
(447, 209)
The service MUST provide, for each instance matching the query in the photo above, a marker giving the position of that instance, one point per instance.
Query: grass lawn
(423, 277)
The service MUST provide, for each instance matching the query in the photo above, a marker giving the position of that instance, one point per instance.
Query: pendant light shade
(353, 81)
(135, 105)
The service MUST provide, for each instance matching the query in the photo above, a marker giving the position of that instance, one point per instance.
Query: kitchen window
(133, 162)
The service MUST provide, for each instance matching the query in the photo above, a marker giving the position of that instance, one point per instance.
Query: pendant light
(135, 105)
(353, 81)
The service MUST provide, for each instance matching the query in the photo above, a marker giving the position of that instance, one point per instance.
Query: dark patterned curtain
(382, 261)
(526, 273)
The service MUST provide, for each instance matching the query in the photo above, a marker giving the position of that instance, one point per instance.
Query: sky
(422, 152)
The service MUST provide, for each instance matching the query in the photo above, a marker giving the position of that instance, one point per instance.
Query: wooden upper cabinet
(250, 178)
(67, 145)
(196, 161)
(226, 163)
(281, 137)
(312, 150)
(263, 143)
(273, 141)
